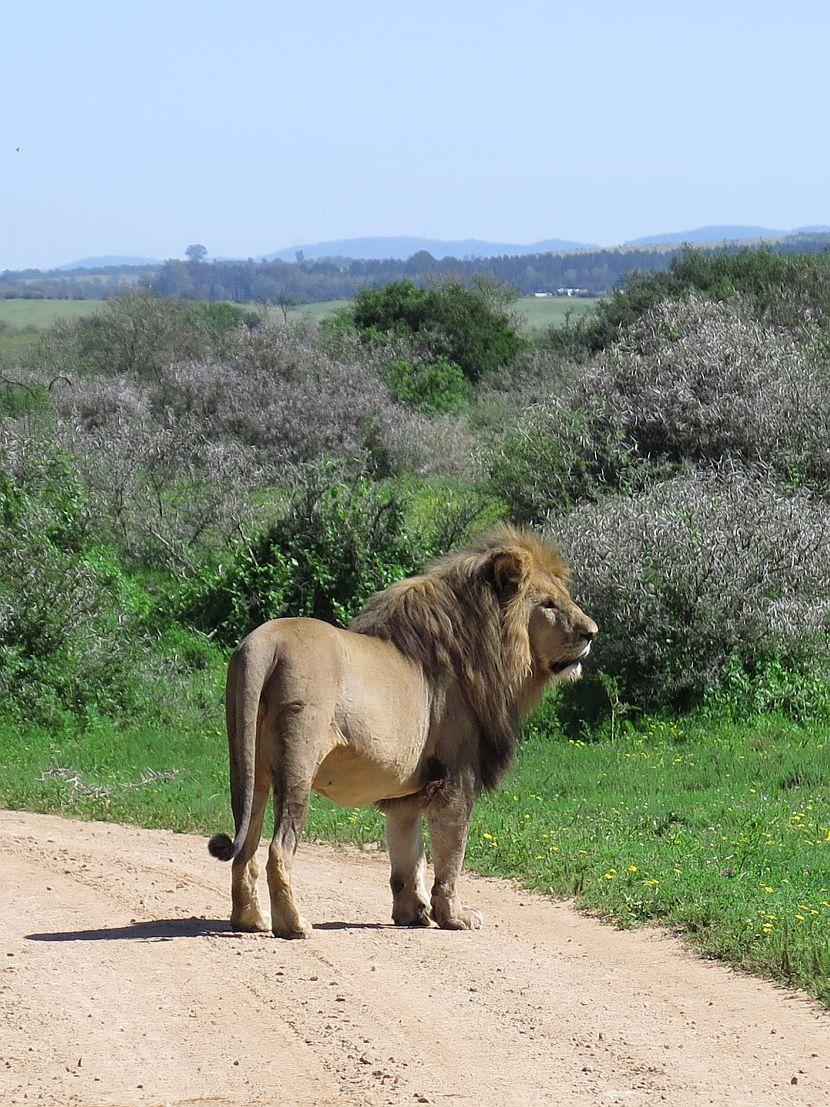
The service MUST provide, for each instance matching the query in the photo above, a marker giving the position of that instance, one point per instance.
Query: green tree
(454, 322)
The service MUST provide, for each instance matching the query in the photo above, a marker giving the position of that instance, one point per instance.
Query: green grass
(537, 313)
(21, 320)
(721, 830)
(553, 312)
(319, 311)
(40, 313)
(15, 340)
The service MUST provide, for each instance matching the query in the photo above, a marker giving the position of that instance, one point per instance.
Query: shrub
(136, 335)
(691, 383)
(549, 459)
(68, 633)
(801, 693)
(702, 382)
(334, 545)
(786, 290)
(22, 398)
(277, 400)
(281, 396)
(700, 573)
(454, 322)
(431, 386)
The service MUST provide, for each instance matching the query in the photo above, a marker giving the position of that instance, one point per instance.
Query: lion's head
(499, 617)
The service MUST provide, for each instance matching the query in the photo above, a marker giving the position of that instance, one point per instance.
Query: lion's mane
(466, 616)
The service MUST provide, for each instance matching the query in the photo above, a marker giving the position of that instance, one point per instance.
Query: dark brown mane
(466, 616)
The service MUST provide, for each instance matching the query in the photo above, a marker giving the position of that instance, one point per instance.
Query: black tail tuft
(221, 847)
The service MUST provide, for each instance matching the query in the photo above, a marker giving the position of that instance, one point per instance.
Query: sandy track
(120, 984)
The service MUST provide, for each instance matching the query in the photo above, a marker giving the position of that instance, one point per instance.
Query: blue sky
(250, 126)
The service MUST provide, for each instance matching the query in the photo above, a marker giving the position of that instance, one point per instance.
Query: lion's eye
(549, 604)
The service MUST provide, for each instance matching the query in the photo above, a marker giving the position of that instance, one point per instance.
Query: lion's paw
(421, 916)
(465, 919)
(250, 923)
(304, 930)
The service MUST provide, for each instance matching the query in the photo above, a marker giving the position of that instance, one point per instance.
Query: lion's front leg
(405, 842)
(449, 820)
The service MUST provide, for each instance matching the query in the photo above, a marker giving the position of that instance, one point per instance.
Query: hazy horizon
(254, 127)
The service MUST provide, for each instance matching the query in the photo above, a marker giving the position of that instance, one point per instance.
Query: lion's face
(560, 633)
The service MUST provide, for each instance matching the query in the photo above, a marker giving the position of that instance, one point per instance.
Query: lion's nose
(589, 630)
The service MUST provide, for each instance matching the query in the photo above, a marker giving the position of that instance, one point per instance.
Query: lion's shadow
(152, 930)
(165, 930)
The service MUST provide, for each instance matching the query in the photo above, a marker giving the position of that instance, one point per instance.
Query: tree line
(339, 278)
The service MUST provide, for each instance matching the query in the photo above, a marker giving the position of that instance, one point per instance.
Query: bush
(174, 461)
(455, 323)
(692, 383)
(703, 382)
(276, 395)
(434, 387)
(334, 545)
(20, 398)
(549, 459)
(68, 633)
(785, 290)
(698, 574)
(136, 336)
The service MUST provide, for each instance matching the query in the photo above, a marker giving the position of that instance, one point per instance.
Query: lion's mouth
(570, 664)
(558, 667)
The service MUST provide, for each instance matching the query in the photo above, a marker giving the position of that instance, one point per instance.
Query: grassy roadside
(717, 828)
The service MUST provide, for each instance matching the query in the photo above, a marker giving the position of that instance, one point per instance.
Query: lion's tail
(249, 669)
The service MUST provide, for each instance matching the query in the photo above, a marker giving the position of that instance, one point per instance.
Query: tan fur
(415, 707)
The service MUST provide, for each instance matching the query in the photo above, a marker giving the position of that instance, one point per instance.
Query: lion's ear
(511, 571)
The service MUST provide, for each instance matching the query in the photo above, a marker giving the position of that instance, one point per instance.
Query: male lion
(416, 708)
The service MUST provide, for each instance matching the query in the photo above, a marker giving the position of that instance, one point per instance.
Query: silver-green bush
(702, 381)
(698, 573)
(691, 383)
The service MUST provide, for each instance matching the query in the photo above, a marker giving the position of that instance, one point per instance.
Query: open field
(538, 314)
(40, 313)
(554, 312)
(162, 1003)
(317, 312)
(722, 830)
(20, 320)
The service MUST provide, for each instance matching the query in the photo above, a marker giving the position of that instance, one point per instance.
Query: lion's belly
(380, 727)
(351, 779)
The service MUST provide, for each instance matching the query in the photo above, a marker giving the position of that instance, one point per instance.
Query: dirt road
(121, 984)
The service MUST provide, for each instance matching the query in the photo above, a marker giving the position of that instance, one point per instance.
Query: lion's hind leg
(405, 842)
(286, 920)
(293, 775)
(246, 913)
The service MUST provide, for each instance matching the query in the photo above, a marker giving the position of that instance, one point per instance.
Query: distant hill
(819, 228)
(719, 233)
(107, 261)
(378, 249)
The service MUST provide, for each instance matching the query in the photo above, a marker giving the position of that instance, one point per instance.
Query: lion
(415, 707)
